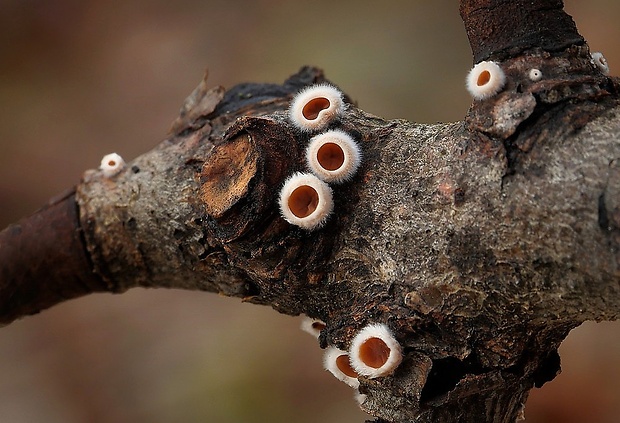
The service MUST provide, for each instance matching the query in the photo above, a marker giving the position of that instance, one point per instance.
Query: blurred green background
(79, 79)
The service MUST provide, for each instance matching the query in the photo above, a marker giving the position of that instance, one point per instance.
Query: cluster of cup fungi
(487, 78)
(332, 157)
(305, 201)
(373, 353)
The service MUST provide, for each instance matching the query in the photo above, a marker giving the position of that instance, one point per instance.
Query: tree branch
(500, 28)
(480, 244)
(43, 261)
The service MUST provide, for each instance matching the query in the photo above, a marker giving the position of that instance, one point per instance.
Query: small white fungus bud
(312, 326)
(600, 62)
(111, 164)
(360, 398)
(535, 75)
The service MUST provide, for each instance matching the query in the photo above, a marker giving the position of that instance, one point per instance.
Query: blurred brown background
(79, 79)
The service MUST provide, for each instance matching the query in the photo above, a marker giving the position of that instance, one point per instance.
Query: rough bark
(501, 28)
(480, 243)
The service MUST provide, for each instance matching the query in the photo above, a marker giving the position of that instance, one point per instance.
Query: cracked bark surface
(480, 243)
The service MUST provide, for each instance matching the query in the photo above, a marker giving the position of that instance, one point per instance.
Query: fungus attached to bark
(111, 164)
(535, 75)
(312, 326)
(315, 107)
(600, 62)
(375, 352)
(333, 156)
(337, 363)
(485, 80)
(306, 201)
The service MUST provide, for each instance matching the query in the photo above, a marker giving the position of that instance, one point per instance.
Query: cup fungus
(312, 326)
(306, 201)
(111, 164)
(333, 156)
(375, 352)
(600, 62)
(337, 363)
(535, 75)
(485, 80)
(315, 107)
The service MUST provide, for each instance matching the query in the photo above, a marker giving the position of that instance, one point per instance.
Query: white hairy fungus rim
(600, 62)
(306, 201)
(485, 80)
(374, 351)
(312, 326)
(535, 75)
(333, 156)
(337, 363)
(314, 107)
(111, 164)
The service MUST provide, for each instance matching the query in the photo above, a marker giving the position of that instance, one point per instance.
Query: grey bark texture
(480, 243)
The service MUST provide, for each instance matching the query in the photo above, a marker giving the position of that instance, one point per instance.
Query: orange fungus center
(374, 352)
(343, 364)
(312, 108)
(483, 78)
(318, 326)
(330, 156)
(303, 201)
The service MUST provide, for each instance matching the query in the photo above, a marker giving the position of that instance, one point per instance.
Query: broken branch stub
(170, 217)
(245, 169)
